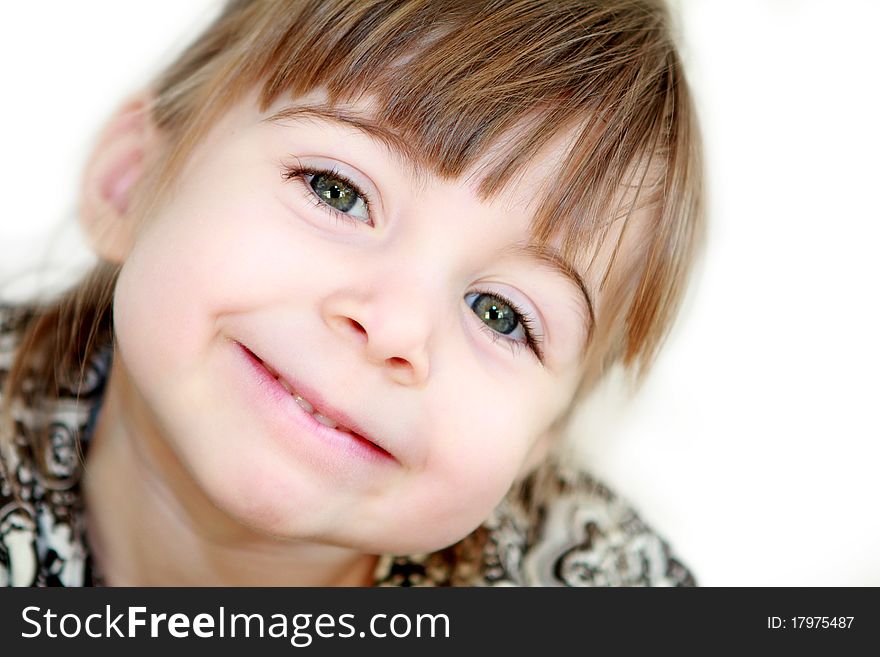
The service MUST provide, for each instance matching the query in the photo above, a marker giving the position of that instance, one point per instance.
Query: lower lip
(288, 416)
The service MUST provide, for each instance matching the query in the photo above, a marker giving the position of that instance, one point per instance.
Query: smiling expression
(306, 274)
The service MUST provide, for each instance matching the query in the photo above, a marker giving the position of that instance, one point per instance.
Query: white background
(754, 445)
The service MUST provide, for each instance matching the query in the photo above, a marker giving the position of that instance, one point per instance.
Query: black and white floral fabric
(571, 532)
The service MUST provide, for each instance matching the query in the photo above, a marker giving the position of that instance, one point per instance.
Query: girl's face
(382, 295)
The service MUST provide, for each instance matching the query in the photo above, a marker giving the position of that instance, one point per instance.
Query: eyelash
(533, 337)
(299, 174)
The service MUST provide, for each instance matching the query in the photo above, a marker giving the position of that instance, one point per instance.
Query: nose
(391, 326)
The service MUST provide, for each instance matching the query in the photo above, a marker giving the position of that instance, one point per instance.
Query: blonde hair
(452, 78)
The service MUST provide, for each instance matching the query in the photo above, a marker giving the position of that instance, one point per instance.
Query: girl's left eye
(333, 192)
(501, 318)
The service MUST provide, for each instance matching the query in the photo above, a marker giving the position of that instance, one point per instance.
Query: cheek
(159, 306)
(468, 475)
(203, 256)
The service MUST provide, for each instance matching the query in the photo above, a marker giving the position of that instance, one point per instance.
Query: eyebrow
(554, 261)
(398, 146)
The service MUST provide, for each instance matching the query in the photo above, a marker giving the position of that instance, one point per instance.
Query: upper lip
(322, 406)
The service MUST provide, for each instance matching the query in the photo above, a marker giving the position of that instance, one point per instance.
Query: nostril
(357, 326)
(397, 362)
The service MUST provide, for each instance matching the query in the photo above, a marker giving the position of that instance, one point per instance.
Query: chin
(249, 491)
(421, 535)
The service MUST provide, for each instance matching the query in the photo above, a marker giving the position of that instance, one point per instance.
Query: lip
(356, 444)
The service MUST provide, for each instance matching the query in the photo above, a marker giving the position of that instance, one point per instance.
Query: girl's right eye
(331, 191)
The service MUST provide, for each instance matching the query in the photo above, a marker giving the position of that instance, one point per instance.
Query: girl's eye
(502, 317)
(333, 192)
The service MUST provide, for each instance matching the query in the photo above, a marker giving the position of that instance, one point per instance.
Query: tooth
(270, 369)
(324, 420)
(285, 385)
(307, 407)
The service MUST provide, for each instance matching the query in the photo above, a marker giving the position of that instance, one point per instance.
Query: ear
(112, 174)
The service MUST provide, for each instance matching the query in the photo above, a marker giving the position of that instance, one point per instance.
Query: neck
(149, 523)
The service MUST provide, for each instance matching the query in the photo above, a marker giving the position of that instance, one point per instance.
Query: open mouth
(319, 414)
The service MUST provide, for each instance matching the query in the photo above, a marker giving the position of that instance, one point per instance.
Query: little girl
(357, 264)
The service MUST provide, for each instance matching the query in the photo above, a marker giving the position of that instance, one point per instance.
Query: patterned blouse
(572, 532)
